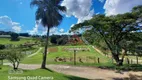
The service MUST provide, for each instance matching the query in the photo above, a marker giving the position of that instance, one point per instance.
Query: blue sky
(18, 16)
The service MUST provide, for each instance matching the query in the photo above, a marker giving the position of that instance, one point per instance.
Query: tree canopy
(115, 29)
(49, 14)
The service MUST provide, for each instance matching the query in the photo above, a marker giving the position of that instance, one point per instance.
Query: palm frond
(36, 3)
(62, 8)
(57, 2)
(48, 12)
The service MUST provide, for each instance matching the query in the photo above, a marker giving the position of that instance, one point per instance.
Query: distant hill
(7, 34)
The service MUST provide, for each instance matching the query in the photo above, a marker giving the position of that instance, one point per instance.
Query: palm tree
(49, 13)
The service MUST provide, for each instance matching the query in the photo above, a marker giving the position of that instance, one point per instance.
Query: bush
(14, 56)
(2, 57)
(14, 37)
(2, 46)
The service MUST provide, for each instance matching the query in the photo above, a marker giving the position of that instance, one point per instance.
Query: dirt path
(92, 73)
(80, 71)
(35, 52)
(98, 50)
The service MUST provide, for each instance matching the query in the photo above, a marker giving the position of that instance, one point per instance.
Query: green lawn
(32, 50)
(58, 51)
(22, 40)
(4, 74)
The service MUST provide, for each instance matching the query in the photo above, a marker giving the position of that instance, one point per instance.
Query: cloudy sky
(18, 16)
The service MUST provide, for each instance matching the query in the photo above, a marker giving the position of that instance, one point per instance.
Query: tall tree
(49, 13)
(114, 29)
(14, 36)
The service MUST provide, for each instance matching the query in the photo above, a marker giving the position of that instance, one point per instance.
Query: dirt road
(81, 71)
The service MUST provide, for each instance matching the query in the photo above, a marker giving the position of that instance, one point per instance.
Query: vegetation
(14, 37)
(2, 57)
(2, 46)
(14, 53)
(59, 39)
(49, 12)
(64, 52)
(14, 56)
(115, 29)
(7, 41)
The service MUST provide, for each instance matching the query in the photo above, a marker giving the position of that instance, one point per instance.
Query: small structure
(75, 39)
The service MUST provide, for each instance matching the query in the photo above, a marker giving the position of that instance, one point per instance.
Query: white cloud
(102, 1)
(113, 7)
(37, 29)
(16, 28)
(66, 33)
(9, 24)
(81, 9)
(72, 25)
(61, 30)
(53, 30)
(40, 30)
(57, 31)
(34, 31)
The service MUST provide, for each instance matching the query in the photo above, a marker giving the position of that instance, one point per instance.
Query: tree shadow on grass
(48, 70)
(131, 67)
(131, 77)
(75, 78)
(79, 78)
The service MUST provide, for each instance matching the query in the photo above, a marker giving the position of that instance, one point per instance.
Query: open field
(22, 40)
(58, 51)
(90, 56)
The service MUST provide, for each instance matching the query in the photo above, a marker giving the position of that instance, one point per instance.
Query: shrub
(2, 46)
(14, 37)
(14, 56)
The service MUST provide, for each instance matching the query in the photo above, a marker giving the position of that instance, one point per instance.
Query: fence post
(1, 64)
(98, 60)
(74, 57)
(128, 62)
(137, 59)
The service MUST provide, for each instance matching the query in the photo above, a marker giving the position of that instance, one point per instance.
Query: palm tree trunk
(43, 66)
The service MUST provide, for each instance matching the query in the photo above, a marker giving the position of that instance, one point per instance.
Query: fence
(91, 59)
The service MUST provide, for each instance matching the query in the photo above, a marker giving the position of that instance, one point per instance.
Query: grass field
(58, 51)
(4, 73)
(89, 58)
(7, 41)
